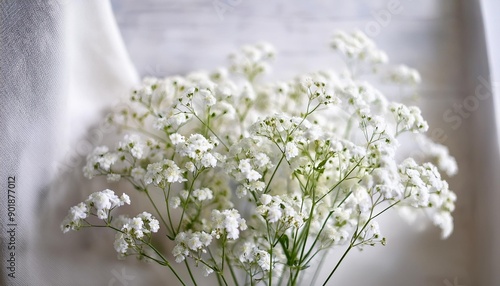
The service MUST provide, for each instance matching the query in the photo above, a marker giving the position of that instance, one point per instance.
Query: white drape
(61, 64)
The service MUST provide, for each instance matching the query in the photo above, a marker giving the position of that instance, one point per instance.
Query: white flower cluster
(99, 204)
(357, 46)
(439, 155)
(425, 188)
(319, 88)
(174, 121)
(247, 162)
(100, 158)
(283, 211)
(128, 156)
(163, 172)
(190, 243)
(227, 222)
(313, 161)
(360, 97)
(408, 118)
(405, 75)
(133, 230)
(338, 231)
(132, 144)
(197, 148)
(203, 194)
(252, 60)
(251, 254)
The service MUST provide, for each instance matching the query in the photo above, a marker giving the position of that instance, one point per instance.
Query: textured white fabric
(61, 64)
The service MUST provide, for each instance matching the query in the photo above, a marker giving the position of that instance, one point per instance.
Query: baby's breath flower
(203, 194)
(165, 171)
(175, 202)
(98, 204)
(137, 174)
(439, 155)
(105, 201)
(207, 270)
(190, 243)
(74, 218)
(314, 160)
(133, 230)
(408, 118)
(405, 75)
(262, 258)
(280, 209)
(227, 222)
(357, 46)
(176, 138)
(291, 150)
(100, 159)
(133, 145)
(190, 166)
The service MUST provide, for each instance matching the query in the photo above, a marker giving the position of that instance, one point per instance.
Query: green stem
(318, 268)
(187, 199)
(166, 195)
(208, 127)
(274, 173)
(166, 262)
(190, 273)
(338, 263)
(231, 270)
(157, 211)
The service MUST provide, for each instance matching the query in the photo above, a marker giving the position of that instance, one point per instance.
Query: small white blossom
(291, 150)
(229, 222)
(175, 202)
(164, 171)
(263, 260)
(202, 194)
(138, 174)
(208, 160)
(358, 46)
(405, 75)
(103, 202)
(187, 242)
(121, 244)
(280, 209)
(134, 145)
(409, 118)
(207, 270)
(100, 158)
(439, 155)
(207, 98)
(444, 220)
(190, 166)
(98, 203)
(74, 217)
(176, 138)
(133, 230)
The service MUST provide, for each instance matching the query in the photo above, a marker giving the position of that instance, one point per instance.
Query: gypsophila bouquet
(260, 180)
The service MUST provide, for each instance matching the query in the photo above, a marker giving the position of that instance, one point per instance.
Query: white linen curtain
(61, 63)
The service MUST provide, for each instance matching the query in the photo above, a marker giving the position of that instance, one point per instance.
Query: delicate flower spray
(261, 180)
